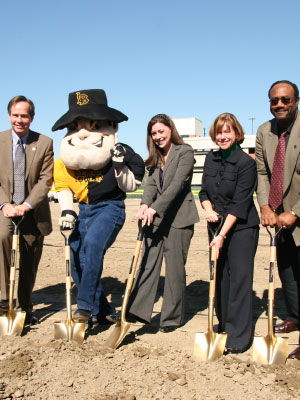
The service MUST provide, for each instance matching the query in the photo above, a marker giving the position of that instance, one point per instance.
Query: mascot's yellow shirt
(91, 186)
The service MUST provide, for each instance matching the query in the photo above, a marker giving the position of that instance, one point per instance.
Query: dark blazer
(38, 175)
(174, 201)
(266, 143)
(229, 185)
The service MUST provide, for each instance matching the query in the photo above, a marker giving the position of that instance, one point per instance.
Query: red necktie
(276, 188)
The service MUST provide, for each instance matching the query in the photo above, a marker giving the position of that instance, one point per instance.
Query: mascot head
(92, 130)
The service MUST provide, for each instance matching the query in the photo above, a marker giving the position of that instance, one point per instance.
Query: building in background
(191, 130)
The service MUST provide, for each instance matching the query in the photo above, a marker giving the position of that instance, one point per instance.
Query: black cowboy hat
(90, 104)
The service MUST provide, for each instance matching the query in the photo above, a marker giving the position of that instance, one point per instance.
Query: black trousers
(288, 260)
(233, 304)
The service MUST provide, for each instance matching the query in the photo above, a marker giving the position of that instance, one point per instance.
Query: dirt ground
(149, 364)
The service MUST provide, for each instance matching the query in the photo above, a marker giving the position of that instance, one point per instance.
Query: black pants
(234, 287)
(288, 260)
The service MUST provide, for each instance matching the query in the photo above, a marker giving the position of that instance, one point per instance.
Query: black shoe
(81, 315)
(233, 351)
(114, 317)
(168, 329)
(133, 319)
(4, 305)
(31, 319)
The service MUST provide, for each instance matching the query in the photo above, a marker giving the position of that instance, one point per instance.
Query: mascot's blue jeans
(96, 229)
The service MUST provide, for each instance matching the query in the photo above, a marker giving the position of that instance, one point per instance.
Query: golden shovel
(13, 322)
(210, 346)
(121, 328)
(269, 349)
(69, 330)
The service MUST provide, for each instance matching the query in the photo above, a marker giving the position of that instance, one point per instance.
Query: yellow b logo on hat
(82, 98)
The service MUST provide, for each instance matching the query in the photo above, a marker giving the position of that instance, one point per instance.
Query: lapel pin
(34, 149)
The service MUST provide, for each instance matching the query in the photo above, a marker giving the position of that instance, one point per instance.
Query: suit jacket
(38, 175)
(266, 143)
(229, 185)
(173, 201)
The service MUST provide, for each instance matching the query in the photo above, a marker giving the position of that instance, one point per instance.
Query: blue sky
(190, 58)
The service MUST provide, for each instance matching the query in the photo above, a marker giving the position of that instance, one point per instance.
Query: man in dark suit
(283, 210)
(26, 163)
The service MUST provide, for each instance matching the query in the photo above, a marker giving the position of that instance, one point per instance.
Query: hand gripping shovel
(121, 328)
(13, 322)
(269, 349)
(210, 346)
(69, 330)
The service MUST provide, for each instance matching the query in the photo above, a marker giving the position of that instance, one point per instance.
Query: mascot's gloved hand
(118, 155)
(67, 219)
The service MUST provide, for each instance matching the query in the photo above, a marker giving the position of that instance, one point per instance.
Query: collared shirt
(15, 139)
(288, 130)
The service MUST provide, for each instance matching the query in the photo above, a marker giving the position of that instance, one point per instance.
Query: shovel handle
(213, 228)
(16, 221)
(66, 233)
(271, 273)
(133, 266)
(274, 237)
(212, 267)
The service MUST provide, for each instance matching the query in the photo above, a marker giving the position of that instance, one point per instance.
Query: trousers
(95, 231)
(288, 261)
(30, 247)
(172, 244)
(234, 280)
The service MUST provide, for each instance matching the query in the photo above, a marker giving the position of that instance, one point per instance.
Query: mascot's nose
(83, 134)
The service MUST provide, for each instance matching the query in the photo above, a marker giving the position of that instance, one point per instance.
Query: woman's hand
(148, 216)
(211, 216)
(218, 242)
(141, 211)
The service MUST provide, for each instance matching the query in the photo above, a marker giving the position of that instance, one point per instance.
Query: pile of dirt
(149, 364)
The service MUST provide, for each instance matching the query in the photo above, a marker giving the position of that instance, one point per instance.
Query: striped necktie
(19, 174)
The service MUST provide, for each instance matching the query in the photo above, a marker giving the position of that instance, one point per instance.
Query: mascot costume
(99, 171)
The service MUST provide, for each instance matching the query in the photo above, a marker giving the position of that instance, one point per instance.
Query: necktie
(276, 188)
(19, 174)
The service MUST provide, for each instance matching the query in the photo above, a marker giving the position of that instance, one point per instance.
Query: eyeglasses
(284, 100)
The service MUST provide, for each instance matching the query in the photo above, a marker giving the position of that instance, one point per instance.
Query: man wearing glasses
(278, 193)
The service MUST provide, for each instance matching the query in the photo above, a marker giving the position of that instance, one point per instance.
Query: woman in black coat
(228, 183)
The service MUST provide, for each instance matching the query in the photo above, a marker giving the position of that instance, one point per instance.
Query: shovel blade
(270, 350)
(209, 346)
(12, 323)
(70, 330)
(116, 337)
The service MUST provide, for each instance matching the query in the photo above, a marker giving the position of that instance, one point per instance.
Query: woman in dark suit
(229, 180)
(169, 212)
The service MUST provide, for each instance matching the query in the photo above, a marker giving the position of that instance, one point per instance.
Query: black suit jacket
(229, 185)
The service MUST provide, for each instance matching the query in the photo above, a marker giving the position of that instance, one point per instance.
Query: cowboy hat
(89, 104)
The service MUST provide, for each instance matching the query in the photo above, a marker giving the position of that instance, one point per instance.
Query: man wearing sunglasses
(278, 193)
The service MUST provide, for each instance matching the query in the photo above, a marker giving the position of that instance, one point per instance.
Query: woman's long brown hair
(154, 157)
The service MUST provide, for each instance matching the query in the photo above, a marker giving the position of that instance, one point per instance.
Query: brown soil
(149, 364)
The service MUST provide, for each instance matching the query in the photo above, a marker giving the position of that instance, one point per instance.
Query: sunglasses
(284, 100)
